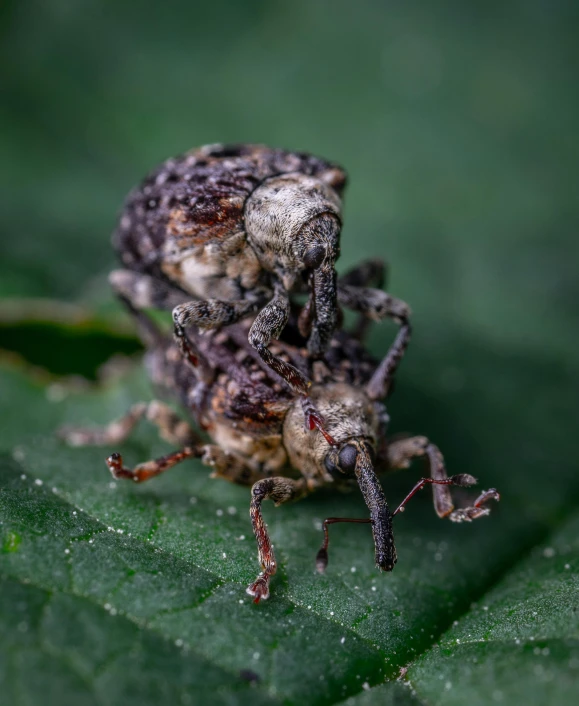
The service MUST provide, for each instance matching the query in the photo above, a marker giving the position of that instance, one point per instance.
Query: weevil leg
(322, 555)
(171, 427)
(209, 314)
(268, 325)
(280, 490)
(368, 273)
(139, 291)
(206, 315)
(374, 304)
(149, 469)
(379, 383)
(400, 454)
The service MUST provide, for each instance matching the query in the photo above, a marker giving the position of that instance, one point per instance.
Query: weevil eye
(347, 458)
(314, 256)
(331, 467)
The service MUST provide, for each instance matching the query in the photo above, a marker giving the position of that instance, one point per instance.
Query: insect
(258, 438)
(223, 232)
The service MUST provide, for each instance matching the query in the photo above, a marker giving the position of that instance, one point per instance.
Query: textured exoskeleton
(223, 232)
(258, 438)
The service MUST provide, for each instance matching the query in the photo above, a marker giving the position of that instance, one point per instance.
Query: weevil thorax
(293, 223)
(348, 414)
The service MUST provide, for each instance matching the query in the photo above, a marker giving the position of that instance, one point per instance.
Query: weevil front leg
(280, 490)
(268, 325)
(401, 453)
(138, 291)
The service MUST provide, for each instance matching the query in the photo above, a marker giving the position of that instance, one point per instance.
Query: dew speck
(67, 551)
(366, 686)
(231, 510)
(331, 612)
(219, 512)
(255, 656)
(448, 686)
(567, 566)
(374, 588)
(342, 640)
(548, 552)
(179, 642)
(353, 569)
(224, 555)
(38, 481)
(193, 500)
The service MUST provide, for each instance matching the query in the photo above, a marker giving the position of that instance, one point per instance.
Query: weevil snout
(380, 515)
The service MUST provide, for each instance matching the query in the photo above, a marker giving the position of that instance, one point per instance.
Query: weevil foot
(259, 589)
(478, 509)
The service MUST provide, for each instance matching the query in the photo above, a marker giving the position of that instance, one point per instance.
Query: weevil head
(293, 225)
(352, 423)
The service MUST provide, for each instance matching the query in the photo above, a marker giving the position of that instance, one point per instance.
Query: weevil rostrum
(225, 231)
(257, 432)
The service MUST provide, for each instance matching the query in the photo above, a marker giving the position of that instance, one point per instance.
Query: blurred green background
(457, 123)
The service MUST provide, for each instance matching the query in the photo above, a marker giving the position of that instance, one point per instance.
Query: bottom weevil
(257, 428)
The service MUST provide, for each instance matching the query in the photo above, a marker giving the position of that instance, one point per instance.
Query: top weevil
(237, 228)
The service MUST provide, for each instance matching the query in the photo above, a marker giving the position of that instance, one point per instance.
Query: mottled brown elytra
(226, 231)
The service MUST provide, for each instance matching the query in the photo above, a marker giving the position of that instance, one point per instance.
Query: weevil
(227, 231)
(258, 438)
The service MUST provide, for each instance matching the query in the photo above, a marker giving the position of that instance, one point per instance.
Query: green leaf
(170, 560)
(520, 641)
